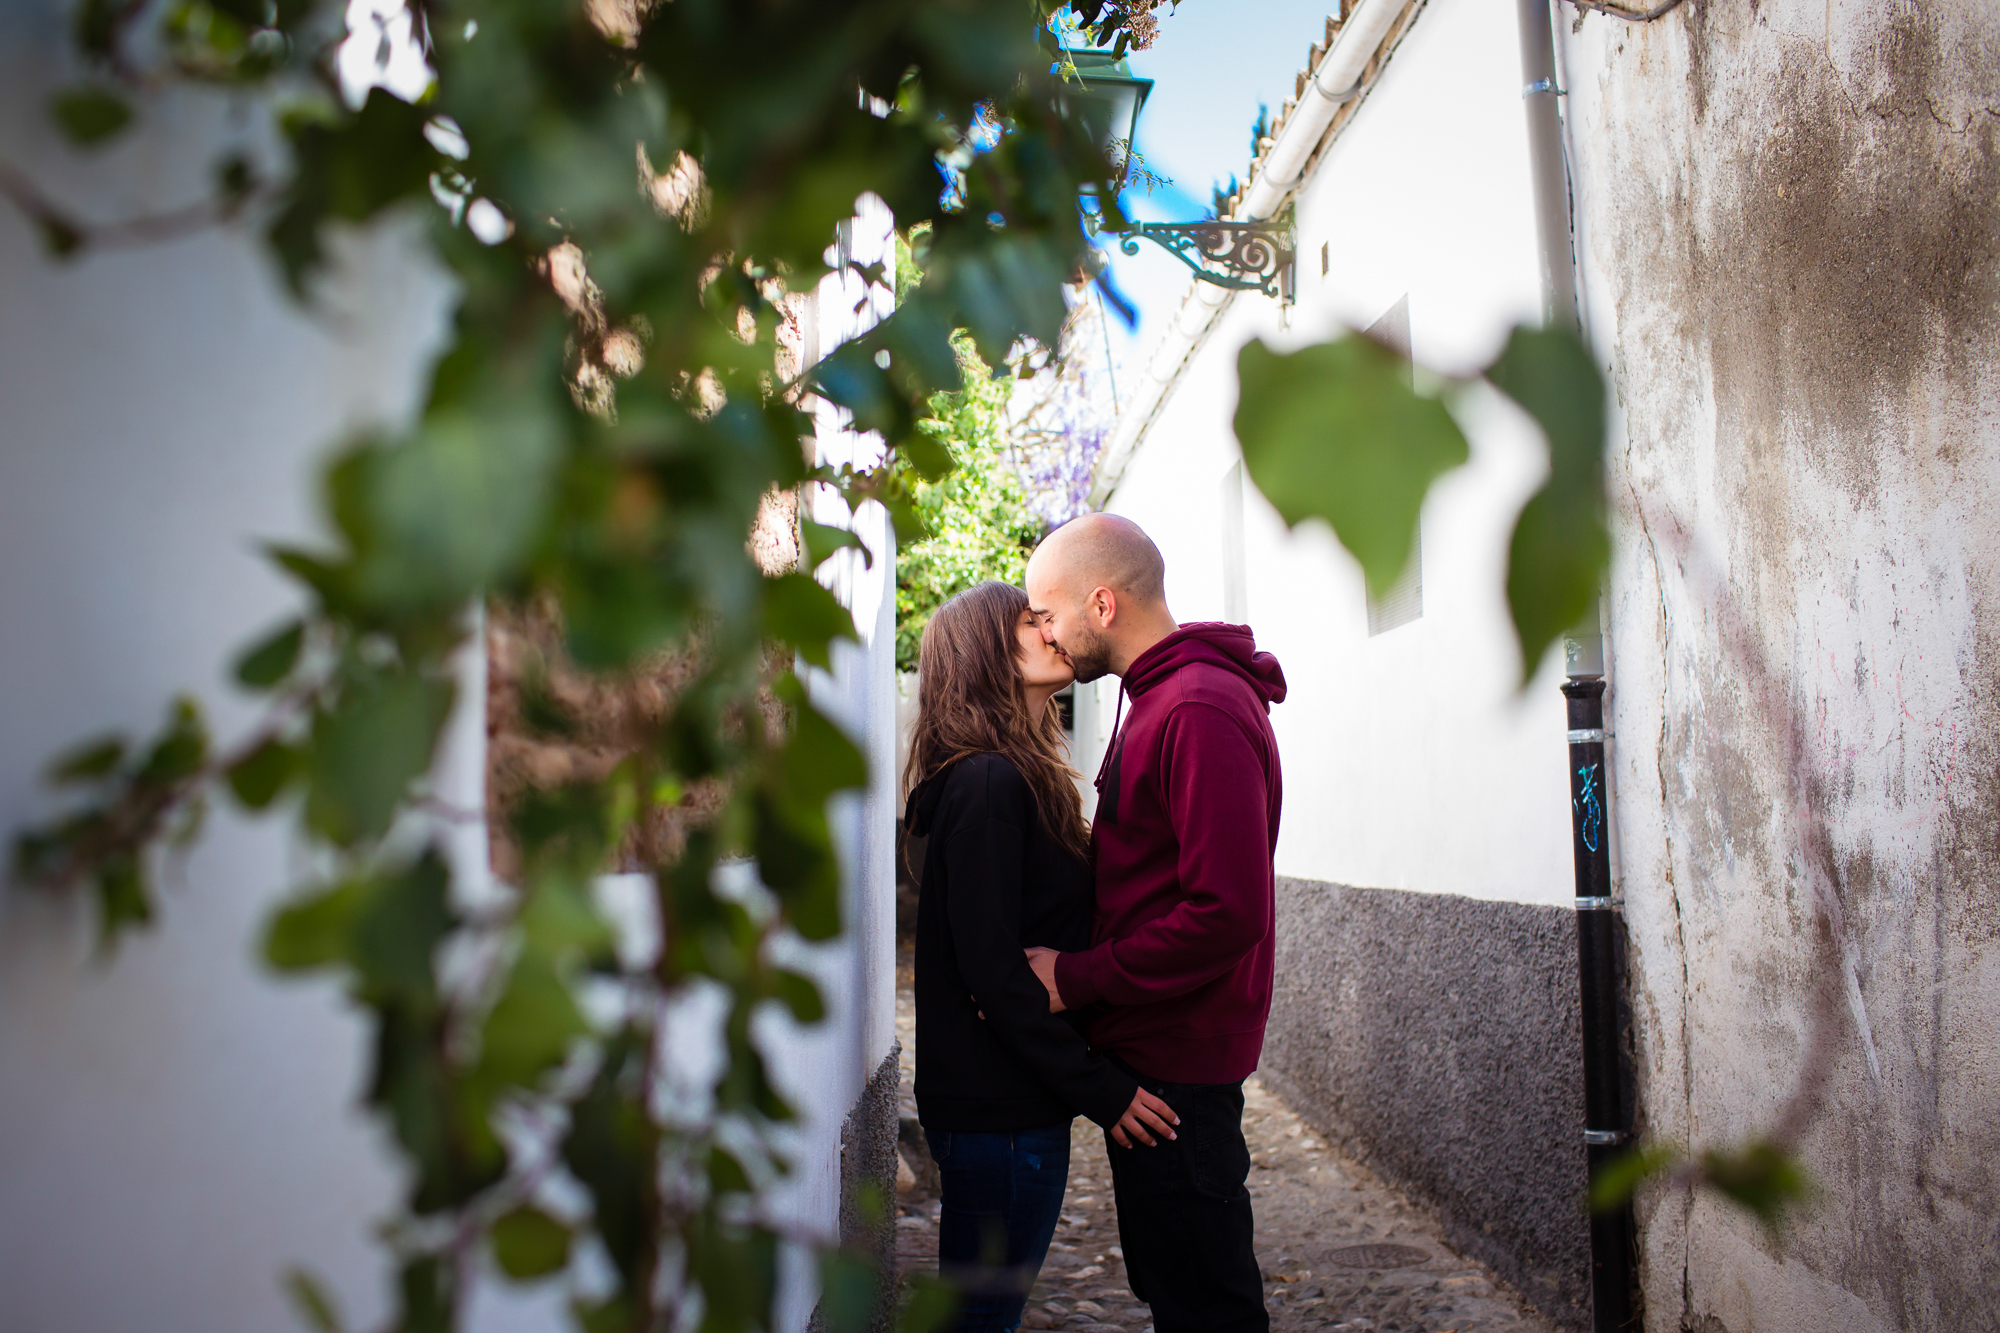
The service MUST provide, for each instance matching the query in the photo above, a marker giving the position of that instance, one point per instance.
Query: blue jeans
(1003, 1193)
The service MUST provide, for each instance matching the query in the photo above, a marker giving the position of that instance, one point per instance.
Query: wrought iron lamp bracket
(1243, 256)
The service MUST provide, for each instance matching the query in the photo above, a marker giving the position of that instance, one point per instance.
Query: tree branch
(66, 234)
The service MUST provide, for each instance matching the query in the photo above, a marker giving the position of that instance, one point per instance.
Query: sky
(1214, 61)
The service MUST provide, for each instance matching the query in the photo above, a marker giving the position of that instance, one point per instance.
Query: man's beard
(1089, 656)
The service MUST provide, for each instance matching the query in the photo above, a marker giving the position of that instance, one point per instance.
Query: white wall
(824, 1069)
(1410, 761)
(175, 1128)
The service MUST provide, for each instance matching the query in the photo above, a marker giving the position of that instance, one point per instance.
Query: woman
(994, 805)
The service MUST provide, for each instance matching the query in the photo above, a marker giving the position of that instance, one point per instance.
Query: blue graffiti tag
(1591, 814)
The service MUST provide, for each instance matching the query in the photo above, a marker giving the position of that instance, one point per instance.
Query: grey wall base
(1437, 1039)
(868, 1183)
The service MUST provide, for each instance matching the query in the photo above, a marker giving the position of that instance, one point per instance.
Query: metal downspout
(1599, 927)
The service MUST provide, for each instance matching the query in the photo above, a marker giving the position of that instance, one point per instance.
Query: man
(1187, 817)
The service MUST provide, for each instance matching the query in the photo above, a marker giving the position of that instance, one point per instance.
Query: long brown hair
(972, 699)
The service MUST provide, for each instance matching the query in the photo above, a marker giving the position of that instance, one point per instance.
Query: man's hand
(1145, 1112)
(1044, 963)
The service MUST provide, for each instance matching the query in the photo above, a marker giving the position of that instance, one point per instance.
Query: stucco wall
(1788, 215)
(1436, 1038)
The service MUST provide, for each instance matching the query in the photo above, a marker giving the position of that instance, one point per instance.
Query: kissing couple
(1118, 969)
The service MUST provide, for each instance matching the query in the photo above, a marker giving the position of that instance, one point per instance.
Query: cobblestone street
(1340, 1250)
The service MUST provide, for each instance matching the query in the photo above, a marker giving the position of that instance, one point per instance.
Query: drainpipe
(1607, 1130)
(1607, 1124)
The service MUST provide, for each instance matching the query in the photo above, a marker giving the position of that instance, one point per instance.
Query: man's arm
(1218, 802)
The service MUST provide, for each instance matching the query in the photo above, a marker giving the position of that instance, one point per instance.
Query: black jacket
(994, 883)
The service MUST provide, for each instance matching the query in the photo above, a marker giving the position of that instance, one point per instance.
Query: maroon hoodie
(1187, 819)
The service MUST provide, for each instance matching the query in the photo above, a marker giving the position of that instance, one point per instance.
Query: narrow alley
(1340, 1249)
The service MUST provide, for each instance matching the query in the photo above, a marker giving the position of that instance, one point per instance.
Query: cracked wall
(1789, 230)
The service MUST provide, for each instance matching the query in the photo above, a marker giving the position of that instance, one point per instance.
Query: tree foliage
(977, 520)
(611, 412)
(1023, 438)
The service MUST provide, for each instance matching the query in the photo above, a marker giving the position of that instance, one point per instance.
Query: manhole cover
(1378, 1256)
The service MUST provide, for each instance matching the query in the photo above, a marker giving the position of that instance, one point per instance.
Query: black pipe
(1607, 1129)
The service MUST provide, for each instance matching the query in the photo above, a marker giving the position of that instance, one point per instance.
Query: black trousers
(1184, 1215)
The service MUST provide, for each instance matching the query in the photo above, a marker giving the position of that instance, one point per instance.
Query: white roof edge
(1329, 87)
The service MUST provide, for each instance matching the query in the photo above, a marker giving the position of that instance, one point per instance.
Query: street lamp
(1243, 256)
(1110, 103)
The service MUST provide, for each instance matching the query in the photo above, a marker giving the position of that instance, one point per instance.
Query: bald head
(1099, 584)
(1104, 550)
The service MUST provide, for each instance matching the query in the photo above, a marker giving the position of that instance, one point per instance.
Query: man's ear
(1105, 603)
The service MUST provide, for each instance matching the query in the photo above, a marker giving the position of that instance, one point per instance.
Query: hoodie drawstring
(1117, 718)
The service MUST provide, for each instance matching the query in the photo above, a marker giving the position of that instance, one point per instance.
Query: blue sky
(1215, 60)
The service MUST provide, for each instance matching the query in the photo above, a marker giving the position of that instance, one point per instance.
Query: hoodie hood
(1232, 647)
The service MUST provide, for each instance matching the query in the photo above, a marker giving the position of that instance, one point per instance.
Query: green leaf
(97, 23)
(808, 617)
(88, 761)
(1561, 543)
(327, 579)
(316, 931)
(1613, 1184)
(528, 1243)
(398, 926)
(819, 759)
(1760, 1176)
(271, 658)
(737, 1267)
(929, 1307)
(62, 237)
(311, 1301)
(181, 749)
(1335, 431)
(822, 541)
(457, 508)
(609, 1150)
(848, 1283)
(726, 1174)
(366, 751)
(1558, 550)
(1550, 373)
(799, 994)
(426, 1289)
(531, 1026)
(184, 822)
(258, 778)
(89, 115)
(848, 376)
(559, 919)
(611, 1315)
(347, 169)
(929, 457)
(122, 901)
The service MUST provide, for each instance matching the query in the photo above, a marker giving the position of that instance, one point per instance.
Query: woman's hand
(1145, 1112)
